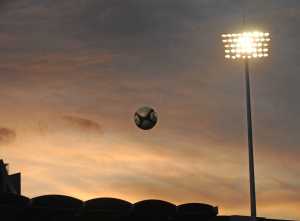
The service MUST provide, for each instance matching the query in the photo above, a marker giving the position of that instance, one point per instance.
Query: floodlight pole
(250, 142)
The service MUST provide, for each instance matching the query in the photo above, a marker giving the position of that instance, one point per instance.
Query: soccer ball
(145, 118)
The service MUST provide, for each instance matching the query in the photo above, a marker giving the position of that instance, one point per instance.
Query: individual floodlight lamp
(247, 46)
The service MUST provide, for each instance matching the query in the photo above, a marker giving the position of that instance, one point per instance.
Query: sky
(72, 74)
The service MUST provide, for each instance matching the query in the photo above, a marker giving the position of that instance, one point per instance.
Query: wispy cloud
(7, 135)
(82, 123)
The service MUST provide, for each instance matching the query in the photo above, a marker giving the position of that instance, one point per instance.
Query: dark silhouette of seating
(12, 206)
(54, 207)
(221, 218)
(15, 207)
(106, 209)
(196, 211)
(154, 210)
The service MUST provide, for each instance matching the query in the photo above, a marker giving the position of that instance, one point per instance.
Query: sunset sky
(73, 72)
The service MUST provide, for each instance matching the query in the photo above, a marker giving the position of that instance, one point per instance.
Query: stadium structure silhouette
(15, 207)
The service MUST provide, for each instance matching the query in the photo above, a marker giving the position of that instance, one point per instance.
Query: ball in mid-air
(145, 118)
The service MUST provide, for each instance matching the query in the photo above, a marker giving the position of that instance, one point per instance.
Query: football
(145, 118)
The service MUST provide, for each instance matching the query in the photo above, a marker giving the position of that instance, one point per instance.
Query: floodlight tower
(247, 46)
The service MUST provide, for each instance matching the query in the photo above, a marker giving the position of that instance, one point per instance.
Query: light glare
(246, 45)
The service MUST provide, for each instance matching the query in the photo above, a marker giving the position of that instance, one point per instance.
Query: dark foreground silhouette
(58, 207)
(15, 207)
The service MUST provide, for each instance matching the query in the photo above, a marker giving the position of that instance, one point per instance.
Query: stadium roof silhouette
(15, 207)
